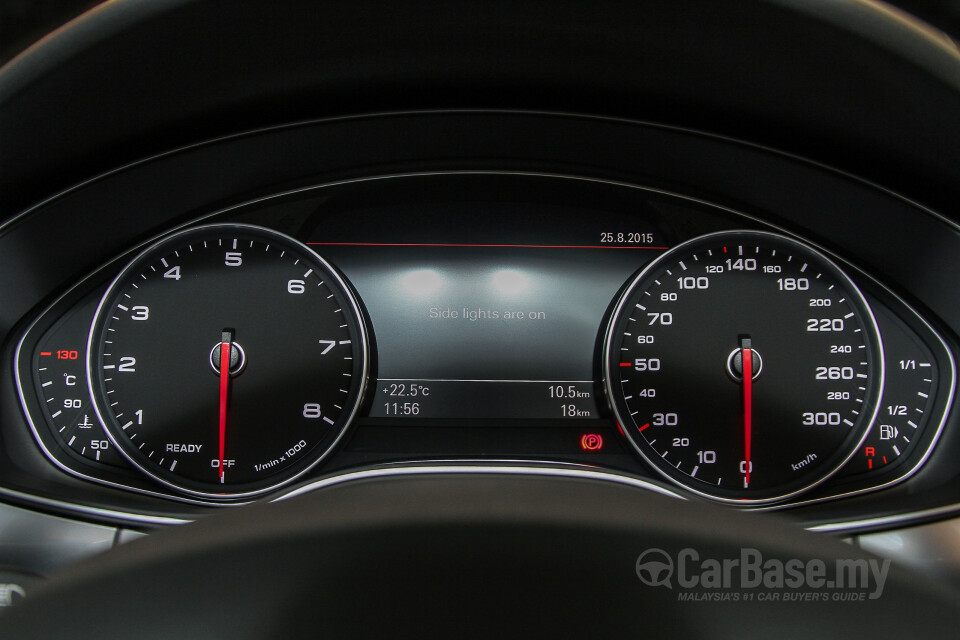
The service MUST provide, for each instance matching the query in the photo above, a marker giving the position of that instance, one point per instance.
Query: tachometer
(227, 360)
(744, 366)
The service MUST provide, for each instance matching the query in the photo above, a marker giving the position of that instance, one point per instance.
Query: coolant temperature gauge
(64, 398)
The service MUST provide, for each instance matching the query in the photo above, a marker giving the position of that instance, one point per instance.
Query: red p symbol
(591, 442)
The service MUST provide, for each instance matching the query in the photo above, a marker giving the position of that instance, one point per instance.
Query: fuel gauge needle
(226, 347)
(746, 356)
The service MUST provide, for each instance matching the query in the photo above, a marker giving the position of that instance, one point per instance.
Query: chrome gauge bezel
(346, 417)
(611, 394)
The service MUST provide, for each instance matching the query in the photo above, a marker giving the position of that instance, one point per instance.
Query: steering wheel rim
(473, 554)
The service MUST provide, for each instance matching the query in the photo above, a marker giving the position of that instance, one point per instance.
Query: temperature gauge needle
(746, 356)
(226, 347)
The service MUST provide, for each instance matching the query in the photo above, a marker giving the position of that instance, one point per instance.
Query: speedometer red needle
(225, 349)
(746, 355)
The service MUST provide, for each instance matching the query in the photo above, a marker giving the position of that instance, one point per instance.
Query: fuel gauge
(908, 401)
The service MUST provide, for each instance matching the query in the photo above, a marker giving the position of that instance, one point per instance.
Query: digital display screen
(477, 322)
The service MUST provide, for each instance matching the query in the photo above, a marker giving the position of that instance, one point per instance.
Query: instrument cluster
(486, 317)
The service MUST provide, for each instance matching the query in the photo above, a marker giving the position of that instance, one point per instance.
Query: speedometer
(744, 365)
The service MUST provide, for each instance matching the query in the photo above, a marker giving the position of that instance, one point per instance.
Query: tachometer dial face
(744, 366)
(227, 360)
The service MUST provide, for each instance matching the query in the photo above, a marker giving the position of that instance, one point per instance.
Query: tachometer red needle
(746, 354)
(225, 348)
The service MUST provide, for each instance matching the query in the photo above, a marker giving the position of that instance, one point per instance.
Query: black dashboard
(487, 296)
(679, 281)
(486, 303)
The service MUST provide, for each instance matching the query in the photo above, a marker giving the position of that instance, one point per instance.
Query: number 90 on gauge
(744, 366)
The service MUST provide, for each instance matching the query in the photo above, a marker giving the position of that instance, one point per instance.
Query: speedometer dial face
(744, 366)
(227, 360)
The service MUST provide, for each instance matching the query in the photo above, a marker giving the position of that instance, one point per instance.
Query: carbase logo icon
(655, 568)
